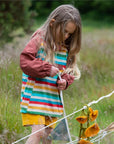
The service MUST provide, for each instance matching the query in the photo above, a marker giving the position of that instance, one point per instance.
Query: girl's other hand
(61, 84)
(54, 71)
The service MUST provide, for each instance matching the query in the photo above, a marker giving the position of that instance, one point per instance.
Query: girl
(52, 48)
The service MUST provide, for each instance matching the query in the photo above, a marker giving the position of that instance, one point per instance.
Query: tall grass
(97, 73)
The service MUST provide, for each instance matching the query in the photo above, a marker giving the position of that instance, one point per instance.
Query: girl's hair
(62, 15)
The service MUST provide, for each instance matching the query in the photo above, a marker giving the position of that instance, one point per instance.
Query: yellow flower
(92, 130)
(84, 142)
(93, 114)
(81, 119)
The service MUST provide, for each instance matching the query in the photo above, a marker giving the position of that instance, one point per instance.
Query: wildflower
(92, 130)
(81, 119)
(84, 142)
(93, 114)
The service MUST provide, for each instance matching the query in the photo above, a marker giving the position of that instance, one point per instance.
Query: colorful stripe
(41, 95)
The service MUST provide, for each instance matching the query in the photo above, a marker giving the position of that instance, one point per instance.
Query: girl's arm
(69, 80)
(30, 65)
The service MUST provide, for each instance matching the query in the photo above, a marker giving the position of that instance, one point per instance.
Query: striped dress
(41, 95)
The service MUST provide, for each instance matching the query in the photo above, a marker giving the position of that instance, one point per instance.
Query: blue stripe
(45, 101)
(24, 80)
(25, 75)
(39, 95)
(60, 63)
(26, 96)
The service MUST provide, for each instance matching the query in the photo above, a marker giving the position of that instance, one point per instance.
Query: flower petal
(84, 142)
(81, 119)
(92, 130)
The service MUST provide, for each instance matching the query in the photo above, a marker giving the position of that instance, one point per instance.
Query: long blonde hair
(62, 15)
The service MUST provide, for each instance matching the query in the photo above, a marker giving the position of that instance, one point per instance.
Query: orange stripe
(46, 88)
(30, 83)
(47, 109)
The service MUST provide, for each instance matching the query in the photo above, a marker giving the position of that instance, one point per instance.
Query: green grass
(97, 71)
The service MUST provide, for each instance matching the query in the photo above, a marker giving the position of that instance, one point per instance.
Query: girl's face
(69, 30)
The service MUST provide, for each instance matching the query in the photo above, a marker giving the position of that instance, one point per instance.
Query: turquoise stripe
(47, 80)
(25, 75)
(47, 95)
(45, 101)
(24, 80)
(26, 96)
(60, 63)
(41, 94)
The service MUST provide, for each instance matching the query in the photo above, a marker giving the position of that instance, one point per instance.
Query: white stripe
(45, 98)
(28, 94)
(23, 85)
(60, 60)
(37, 90)
(44, 106)
(62, 53)
(44, 111)
(24, 77)
(23, 106)
(25, 101)
(49, 78)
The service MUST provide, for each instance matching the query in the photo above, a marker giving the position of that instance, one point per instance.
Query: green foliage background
(96, 62)
(21, 13)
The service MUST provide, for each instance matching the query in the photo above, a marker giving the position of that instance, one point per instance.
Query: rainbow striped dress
(41, 95)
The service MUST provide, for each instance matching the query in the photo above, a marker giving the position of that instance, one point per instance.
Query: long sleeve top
(39, 93)
(34, 67)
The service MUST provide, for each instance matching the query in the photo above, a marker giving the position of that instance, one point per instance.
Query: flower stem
(88, 119)
(80, 131)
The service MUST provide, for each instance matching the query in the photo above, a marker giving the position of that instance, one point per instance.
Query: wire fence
(84, 107)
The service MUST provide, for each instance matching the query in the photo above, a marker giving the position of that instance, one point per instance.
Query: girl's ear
(51, 22)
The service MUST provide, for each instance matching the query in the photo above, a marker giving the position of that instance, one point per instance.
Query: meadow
(97, 79)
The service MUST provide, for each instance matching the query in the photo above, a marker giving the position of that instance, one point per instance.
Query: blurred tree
(14, 14)
(91, 8)
(21, 13)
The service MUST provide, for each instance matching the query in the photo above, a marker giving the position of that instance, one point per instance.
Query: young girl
(51, 49)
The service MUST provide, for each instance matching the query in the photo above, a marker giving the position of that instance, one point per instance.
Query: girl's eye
(69, 34)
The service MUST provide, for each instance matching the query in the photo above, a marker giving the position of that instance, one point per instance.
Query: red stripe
(42, 82)
(24, 82)
(27, 99)
(47, 83)
(43, 103)
(31, 78)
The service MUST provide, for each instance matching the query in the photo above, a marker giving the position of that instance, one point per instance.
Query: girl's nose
(66, 35)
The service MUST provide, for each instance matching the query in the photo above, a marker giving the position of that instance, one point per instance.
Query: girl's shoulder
(38, 33)
(37, 37)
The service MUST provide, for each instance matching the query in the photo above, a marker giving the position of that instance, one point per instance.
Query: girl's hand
(54, 71)
(61, 84)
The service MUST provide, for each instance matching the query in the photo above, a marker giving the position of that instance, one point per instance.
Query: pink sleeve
(69, 79)
(30, 65)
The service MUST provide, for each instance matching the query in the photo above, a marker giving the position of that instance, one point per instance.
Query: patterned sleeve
(31, 65)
